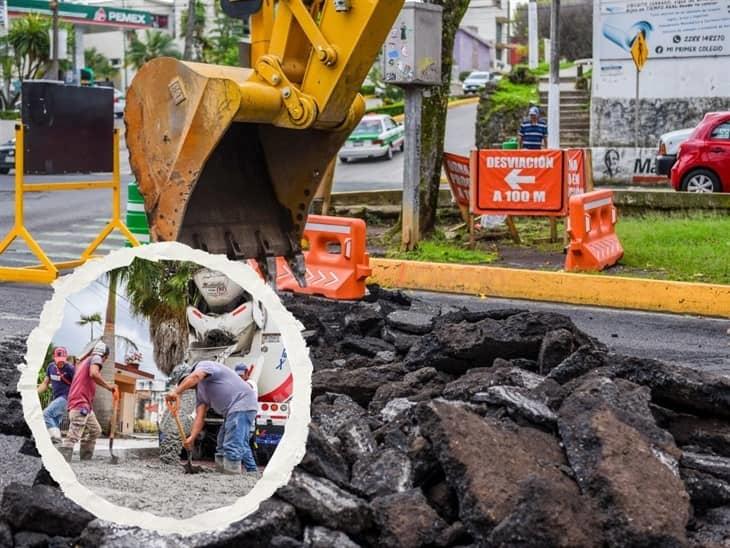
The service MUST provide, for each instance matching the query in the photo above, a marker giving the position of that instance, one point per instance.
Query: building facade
(471, 51)
(490, 18)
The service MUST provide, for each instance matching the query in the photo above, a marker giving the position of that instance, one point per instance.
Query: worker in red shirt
(84, 426)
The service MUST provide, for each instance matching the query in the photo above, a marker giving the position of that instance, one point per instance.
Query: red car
(703, 160)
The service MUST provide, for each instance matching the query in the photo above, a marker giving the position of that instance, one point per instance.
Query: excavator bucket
(228, 159)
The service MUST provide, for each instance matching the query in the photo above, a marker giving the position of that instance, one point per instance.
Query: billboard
(672, 28)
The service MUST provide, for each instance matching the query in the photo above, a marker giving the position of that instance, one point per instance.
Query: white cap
(100, 348)
(534, 111)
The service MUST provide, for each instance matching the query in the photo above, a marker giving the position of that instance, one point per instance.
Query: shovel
(188, 467)
(113, 426)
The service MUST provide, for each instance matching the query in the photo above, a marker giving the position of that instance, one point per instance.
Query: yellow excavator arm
(228, 159)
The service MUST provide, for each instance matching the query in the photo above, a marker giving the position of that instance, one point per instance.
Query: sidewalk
(125, 448)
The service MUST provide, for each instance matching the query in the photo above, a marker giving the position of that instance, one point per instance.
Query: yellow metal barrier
(47, 270)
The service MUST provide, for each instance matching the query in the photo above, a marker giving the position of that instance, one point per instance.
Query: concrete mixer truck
(228, 326)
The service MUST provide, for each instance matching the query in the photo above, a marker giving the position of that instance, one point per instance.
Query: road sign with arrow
(518, 182)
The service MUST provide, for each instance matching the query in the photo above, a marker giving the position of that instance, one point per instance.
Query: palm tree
(156, 44)
(28, 36)
(158, 291)
(89, 320)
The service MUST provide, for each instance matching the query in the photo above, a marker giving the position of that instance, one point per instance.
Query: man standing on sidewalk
(220, 388)
(533, 131)
(84, 426)
(59, 375)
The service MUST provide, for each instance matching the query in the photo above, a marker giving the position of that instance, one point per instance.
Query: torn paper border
(290, 450)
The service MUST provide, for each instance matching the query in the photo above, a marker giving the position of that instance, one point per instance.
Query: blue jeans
(53, 414)
(233, 438)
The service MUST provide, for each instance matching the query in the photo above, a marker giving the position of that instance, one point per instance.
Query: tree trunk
(433, 115)
(103, 398)
(189, 32)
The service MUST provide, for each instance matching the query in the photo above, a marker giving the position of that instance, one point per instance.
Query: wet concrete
(162, 489)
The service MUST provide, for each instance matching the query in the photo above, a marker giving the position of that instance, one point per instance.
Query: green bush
(522, 75)
(391, 110)
(368, 89)
(9, 115)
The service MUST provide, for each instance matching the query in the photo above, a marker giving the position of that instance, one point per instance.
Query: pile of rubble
(435, 426)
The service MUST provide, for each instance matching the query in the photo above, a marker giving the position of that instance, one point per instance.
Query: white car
(475, 82)
(668, 147)
(120, 102)
(376, 136)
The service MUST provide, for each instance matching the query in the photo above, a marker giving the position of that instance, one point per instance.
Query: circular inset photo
(169, 383)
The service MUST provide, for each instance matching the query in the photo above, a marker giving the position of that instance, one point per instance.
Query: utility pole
(532, 30)
(554, 85)
(54, 40)
(189, 31)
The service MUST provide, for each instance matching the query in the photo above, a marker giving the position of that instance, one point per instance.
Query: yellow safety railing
(47, 270)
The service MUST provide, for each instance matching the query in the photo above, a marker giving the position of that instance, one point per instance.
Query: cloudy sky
(93, 300)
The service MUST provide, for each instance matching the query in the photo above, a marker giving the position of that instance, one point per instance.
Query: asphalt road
(377, 174)
(702, 343)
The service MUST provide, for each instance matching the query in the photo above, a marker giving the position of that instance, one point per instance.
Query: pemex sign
(518, 182)
(91, 15)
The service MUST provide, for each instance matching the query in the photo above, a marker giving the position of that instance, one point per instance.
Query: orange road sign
(639, 51)
(518, 182)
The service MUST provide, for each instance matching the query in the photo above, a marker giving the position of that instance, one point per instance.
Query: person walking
(219, 388)
(59, 374)
(84, 427)
(533, 131)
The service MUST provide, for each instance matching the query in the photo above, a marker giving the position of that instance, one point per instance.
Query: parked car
(703, 160)
(668, 145)
(7, 157)
(120, 102)
(376, 136)
(475, 82)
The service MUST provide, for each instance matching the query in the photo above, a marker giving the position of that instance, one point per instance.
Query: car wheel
(402, 146)
(389, 154)
(344, 160)
(4, 170)
(701, 180)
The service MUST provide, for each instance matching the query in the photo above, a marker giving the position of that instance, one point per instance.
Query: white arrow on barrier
(334, 279)
(321, 278)
(514, 179)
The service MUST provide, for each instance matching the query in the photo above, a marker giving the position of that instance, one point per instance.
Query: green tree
(45, 396)
(156, 44)
(158, 291)
(99, 63)
(196, 45)
(225, 36)
(90, 320)
(576, 26)
(433, 115)
(28, 37)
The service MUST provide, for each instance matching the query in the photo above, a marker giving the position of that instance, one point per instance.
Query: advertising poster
(672, 28)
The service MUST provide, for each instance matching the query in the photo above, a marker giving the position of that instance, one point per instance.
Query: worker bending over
(220, 388)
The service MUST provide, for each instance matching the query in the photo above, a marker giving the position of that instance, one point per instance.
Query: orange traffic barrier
(591, 226)
(337, 260)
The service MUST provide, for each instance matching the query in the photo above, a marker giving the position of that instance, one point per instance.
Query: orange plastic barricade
(337, 261)
(591, 226)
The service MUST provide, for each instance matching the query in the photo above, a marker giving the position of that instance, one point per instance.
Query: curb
(562, 287)
(624, 200)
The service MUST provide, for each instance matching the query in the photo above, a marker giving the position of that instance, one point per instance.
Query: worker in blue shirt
(59, 375)
(533, 131)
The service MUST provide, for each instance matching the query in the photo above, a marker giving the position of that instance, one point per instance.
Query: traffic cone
(136, 216)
